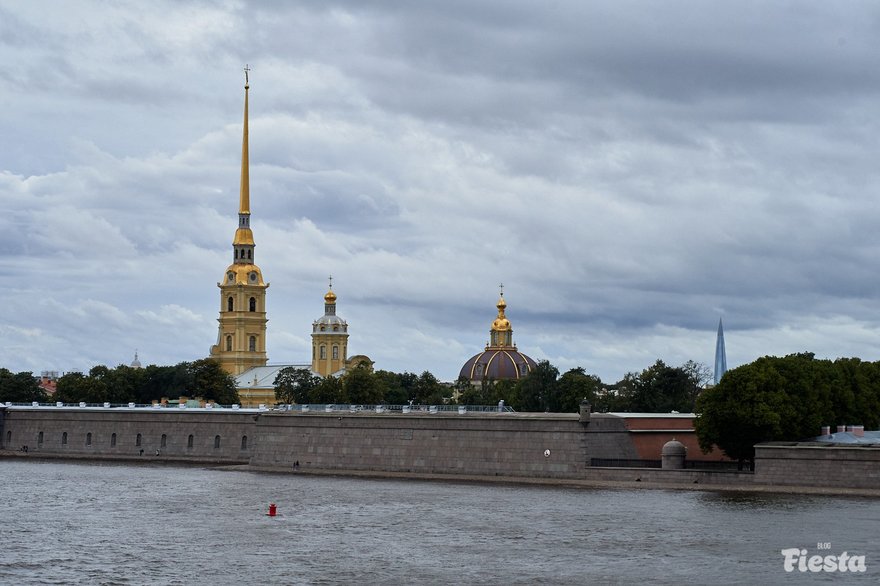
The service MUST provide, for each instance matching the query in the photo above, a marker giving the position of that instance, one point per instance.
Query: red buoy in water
(272, 509)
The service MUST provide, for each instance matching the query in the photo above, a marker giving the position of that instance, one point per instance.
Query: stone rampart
(212, 437)
(548, 445)
(808, 464)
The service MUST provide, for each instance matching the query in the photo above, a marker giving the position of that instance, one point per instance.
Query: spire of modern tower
(720, 354)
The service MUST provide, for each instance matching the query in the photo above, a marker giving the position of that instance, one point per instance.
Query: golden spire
(245, 193)
(243, 235)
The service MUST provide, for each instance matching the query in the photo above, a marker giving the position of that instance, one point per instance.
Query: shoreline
(581, 483)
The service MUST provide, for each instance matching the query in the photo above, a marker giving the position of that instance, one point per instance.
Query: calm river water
(69, 523)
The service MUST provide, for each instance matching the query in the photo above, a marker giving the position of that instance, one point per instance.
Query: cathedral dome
(497, 364)
(500, 360)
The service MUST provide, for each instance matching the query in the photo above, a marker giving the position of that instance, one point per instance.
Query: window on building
(63, 438)
(523, 368)
(40, 439)
(249, 254)
(236, 254)
(189, 441)
(137, 441)
(253, 304)
(89, 439)
(216, 442)
(229, 343)
(244, 442)
(164, 441)
(252, 344)
(335, 352)
(9, 438)
(229, 304)
(113, 441)
(323, 352)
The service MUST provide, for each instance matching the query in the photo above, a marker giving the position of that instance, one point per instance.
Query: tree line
(659, 388)
(123, 384)
(786, 399)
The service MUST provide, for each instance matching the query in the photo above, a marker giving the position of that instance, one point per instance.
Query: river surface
(75, 523)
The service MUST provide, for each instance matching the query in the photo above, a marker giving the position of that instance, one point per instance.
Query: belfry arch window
(249, 254)
(252, 344)
(229, 304)
(229, 343)
(253, 304)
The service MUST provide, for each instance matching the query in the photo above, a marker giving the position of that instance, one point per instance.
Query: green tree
(21, 387)
(361, 387)
(658, 389)
(329, 390)
(209, 381)
(428, 390)
(72, 387)
(391, 387)
(294, 385)
(573, 387)
(537, 391)
(747, 407)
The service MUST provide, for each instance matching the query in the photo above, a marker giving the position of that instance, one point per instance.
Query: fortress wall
(678, 477)
(22, 427)
(472, 444)
(850, 466)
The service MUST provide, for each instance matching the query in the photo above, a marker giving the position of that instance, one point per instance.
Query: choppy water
(66, 523)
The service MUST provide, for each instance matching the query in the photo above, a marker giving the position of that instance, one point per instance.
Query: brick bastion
(536, 446)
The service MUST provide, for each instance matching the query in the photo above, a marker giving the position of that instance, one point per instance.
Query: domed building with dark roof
(500, 360)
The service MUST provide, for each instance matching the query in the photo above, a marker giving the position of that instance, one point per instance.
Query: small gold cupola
(501, 334)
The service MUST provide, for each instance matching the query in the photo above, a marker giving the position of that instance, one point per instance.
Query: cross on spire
(502, 289)
(246, 69)
(331, 281)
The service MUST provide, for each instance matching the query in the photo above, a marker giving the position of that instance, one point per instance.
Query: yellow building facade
(241, 336)
(329, 339)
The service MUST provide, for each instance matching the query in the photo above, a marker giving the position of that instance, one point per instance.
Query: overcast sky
(632, 172)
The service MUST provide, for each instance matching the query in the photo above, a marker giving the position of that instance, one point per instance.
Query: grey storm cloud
(630, 172)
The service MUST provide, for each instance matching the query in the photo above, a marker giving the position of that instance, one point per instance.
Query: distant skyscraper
(720, 354)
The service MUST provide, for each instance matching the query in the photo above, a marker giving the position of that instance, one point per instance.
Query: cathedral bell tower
(241, 340)
(329, 338)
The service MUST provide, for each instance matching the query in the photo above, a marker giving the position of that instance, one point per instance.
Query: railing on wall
(311, 408)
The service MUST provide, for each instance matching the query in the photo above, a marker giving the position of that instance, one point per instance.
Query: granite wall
(205, 436)
(817, 464)
(544, 445)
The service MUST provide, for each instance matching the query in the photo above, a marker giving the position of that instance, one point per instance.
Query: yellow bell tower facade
(329, 339)
(241, 340)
